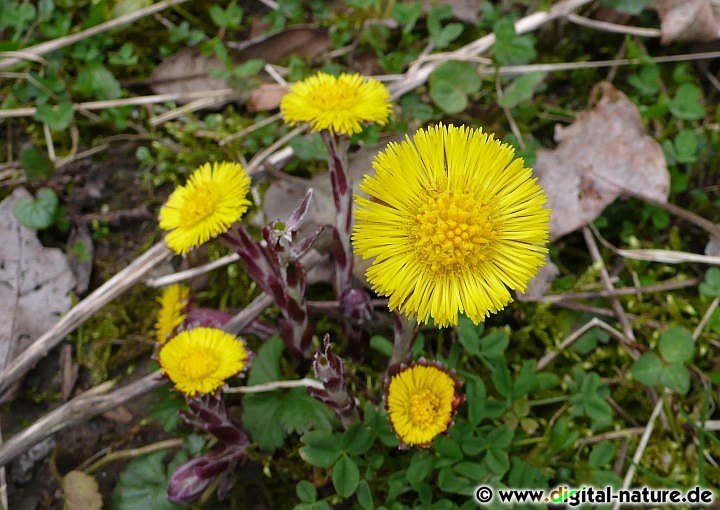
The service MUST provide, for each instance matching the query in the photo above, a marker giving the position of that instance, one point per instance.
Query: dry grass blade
(62, 42)
(82, 312)
(99, 399)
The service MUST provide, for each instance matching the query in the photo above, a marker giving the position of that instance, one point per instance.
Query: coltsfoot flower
(421, 401)
(173, 302)
(339, 104)
(200, 360)
(214, 198)
(454, 222)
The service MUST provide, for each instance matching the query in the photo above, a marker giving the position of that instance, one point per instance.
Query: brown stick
(80, 313)
(613, 292)
(97, 400)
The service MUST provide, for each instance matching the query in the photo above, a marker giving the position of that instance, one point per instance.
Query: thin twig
(129, 101)
(276, 385)
(623, 291)
(80, 313)
(97, 400)
(612, 27)
(574, 336)
(250, 129)
(192, 106)
(605, 278)
(261, 156)
(164, 281)
(134, 452)
(641, 448)
(705, 318)
(62, 42)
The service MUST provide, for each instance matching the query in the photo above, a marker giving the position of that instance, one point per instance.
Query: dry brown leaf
(602, 153)
(35, 283)
(266, 97)
(82, 492)
(188, 70)
(688, 20)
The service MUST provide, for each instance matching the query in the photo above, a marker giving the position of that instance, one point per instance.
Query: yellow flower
(173, 301)
(421, 401)
(453, 222)
(337, 104)
(199, 360)
(206, 206)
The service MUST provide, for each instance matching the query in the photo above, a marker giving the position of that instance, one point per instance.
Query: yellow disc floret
(214, 198)
(420, 401)
(339, 104)
(453, 221)
(200, 360)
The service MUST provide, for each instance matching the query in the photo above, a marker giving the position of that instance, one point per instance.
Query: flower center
(200, 363)
(453, 231)
(424, 405)
(338, 98)
(200, 204)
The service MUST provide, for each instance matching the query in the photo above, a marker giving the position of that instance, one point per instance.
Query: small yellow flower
(206, 206)
(173, 301)
(199, 360)
(421, 402)
(339, 104)
(453, 222)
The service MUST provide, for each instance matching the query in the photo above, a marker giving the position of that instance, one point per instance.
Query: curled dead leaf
(189, 70)
(688, 20)
(604, 152)
(35, 282)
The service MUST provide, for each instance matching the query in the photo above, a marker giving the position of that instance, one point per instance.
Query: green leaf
(407, 14)
(497, 460)
(647, 368)
(711, 285)
(451, 83)
(226, 18)
(309, 148)
(261, 417)
(501, 377)
(420, 467)
(57, 117)
(306, 491)
(510, 48)
(686, 103)
(358, 439)
(364, 496)
(37, 213)
(266, 365)
(686, 147)
(36, 164)
(494, 343)
(677, 344)
(143, 485)
(561, 436)
(476, 397)
(249, 68)
(601, 454)
(321, 449)
(521, 89)
(95, 80)
(469, 335)
(345, 476)
(676, 377)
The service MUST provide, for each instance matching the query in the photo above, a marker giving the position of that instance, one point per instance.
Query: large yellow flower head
(339, 104)
(173, 301)
(200, 360)
(214, 197)
(421, 401)
(453, 221)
